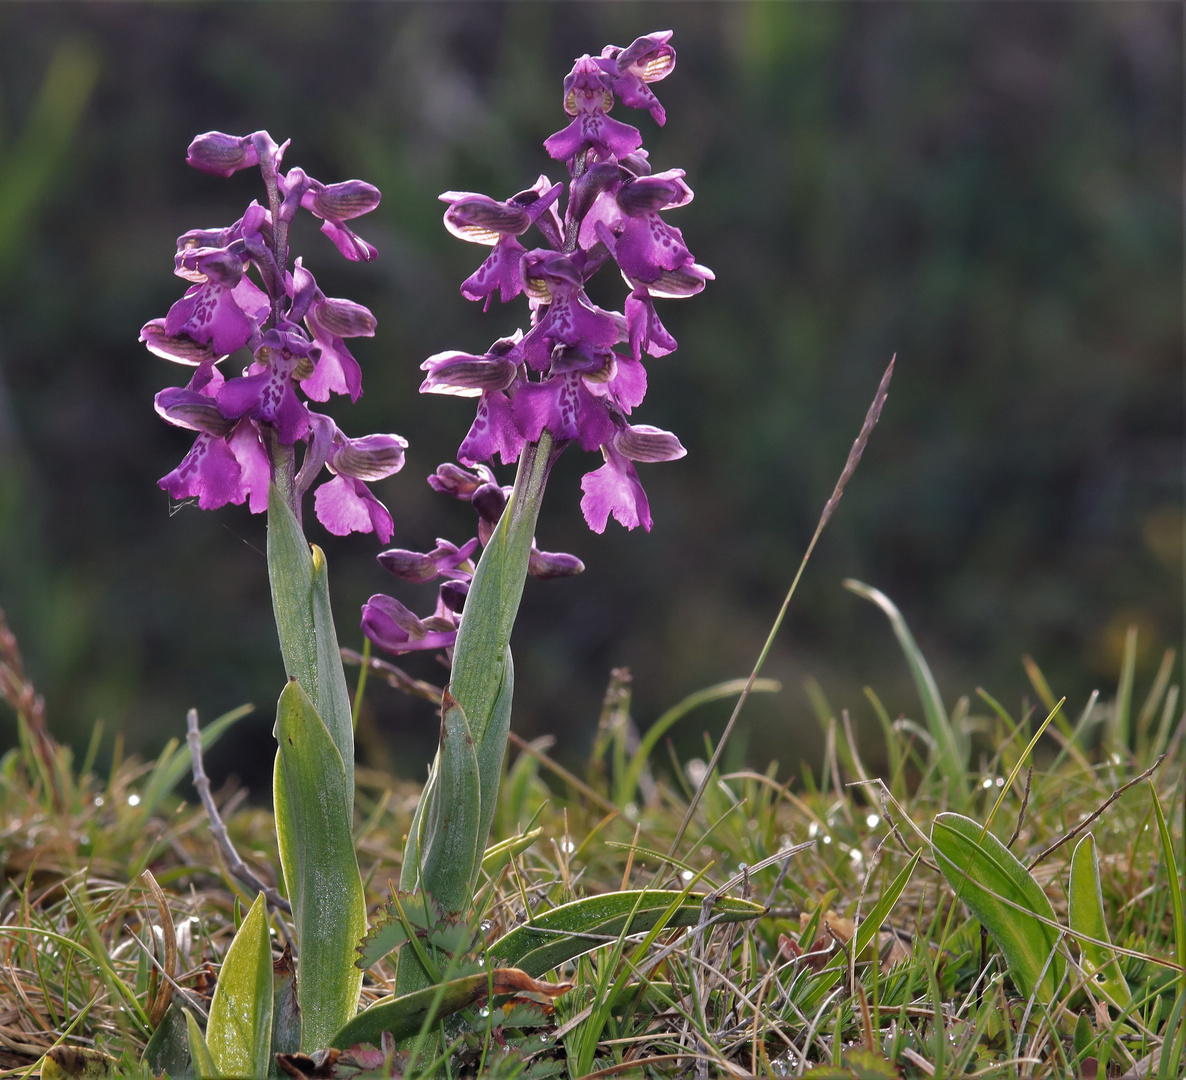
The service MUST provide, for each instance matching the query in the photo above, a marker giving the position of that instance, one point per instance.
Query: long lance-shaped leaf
(479, 655)
(199, 1054)
(404, 1016)
(449, 833)
(1085, 915)
(950, 749)
(239, 1031)
(324, 885)
(489, 765)
(573, 929)
(1006, 899)
(299, 579)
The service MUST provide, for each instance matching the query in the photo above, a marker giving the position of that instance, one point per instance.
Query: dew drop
(133, 799)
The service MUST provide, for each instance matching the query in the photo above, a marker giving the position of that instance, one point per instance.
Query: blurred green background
(990, 191)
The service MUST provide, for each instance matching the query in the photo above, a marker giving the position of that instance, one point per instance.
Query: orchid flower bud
(221, 155)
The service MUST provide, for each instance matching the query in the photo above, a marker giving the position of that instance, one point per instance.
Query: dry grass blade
(850, 465)
(164, 994)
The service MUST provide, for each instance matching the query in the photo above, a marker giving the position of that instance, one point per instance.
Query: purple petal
(645, 443)
(614, 489)
(493, 431)
(553, 564)
(647, 333)
(629, 384)
(345, 505)
(209, 472)
(395, 629)
(499, 273)
(350, 244)
(465, 375)
(371, 457)
(337, 372)
(255, 470)
(221, 155)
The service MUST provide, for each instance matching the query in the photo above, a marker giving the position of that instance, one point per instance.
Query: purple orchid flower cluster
(393, 626)
(296, 336)
(566, 375)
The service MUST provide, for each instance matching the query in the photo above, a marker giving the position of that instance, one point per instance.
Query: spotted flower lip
(588, 97)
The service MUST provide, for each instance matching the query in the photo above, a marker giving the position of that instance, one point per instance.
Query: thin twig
(854, 457)
(1091, 817)
(217, 829)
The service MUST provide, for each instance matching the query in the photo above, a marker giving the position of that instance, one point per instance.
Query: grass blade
(628, 784)
(950, 750)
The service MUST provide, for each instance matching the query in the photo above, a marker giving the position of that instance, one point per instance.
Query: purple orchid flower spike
(577, 372)
(242, 295)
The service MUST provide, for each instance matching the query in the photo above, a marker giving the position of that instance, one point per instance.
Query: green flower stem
(494, 595)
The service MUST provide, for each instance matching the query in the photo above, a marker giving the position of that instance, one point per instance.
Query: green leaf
(1085, 914)
(406, 1015)
(498, 855)
(950, 751)
(168, 1049)
(570, 930)
(491, 750)
(869, 926)
(479, 656)
(627, 784)
(333, 700)
(320, 867)
(449, 839)
(239, 1030)
(298, 576)
(1006, 899)
(199, 1054)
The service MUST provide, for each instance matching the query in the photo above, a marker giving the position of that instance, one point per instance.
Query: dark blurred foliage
(991, 191)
